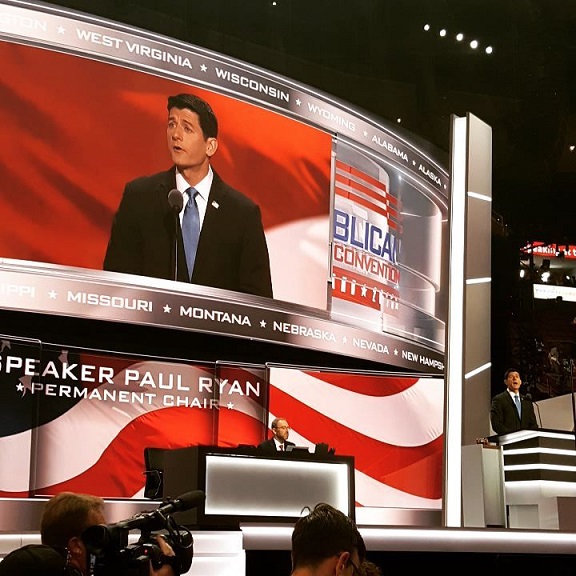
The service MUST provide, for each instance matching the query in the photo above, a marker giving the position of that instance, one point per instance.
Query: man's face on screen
(188, 147)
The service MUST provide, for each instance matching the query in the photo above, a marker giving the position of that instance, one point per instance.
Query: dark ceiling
(376, 55)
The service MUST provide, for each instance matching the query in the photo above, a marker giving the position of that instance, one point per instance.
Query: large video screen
(395, 432)
(353, 212)
(81, 420)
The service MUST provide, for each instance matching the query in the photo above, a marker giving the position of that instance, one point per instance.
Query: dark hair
(67, 515)
(33, 560)
(508, 372)
(206, 116)
(324, 533)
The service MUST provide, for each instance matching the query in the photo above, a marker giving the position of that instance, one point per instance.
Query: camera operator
(67, 515)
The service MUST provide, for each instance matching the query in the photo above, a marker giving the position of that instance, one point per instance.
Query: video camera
(111, 554)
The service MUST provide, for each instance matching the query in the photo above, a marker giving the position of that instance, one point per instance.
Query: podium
(246, 485)
(540, 478)
(483, 498)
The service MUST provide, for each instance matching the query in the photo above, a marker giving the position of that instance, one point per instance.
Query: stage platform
(256, 548)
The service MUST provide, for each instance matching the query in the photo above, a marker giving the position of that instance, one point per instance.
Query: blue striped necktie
(191, 229)
(518, 405)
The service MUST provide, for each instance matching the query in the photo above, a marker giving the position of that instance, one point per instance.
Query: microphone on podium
(176, 202)
(535, 404)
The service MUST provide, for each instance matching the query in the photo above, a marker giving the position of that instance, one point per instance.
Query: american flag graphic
(392, 425)
(79, 420)
(82, 421)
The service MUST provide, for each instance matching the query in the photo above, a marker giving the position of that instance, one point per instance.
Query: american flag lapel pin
(215, 204)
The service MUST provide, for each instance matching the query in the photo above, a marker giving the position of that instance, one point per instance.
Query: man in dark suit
(279, 441)
(505, 415)
(146, 237)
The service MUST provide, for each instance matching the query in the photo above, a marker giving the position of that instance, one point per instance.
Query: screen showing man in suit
(509, 411)
(186, 223)
(279, 441)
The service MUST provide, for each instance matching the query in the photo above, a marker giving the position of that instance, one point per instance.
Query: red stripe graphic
(364, 290)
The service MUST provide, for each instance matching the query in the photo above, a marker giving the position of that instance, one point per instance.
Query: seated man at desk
(279, 441)
(509, 411)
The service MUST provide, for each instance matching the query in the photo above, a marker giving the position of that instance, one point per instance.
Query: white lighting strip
(556, 467)
(455, 334)
(478, 370)
(526, 434)
(478, 280)
(550, 487)
(520, 451)
(480, 196)
(259, 537)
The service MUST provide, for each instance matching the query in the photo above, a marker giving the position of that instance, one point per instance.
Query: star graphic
(20, 387)
(365, 133)
(298, 102)
(345, 339)
(203, 67)
(413, 162)
(364, 291)
(262, 323)
(5, 344)
(395, 352)
(230, 405)
(52, 294)
(167, 309)
(63, 357)
(61, 29)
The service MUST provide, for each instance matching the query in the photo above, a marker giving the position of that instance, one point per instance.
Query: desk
(247, 485)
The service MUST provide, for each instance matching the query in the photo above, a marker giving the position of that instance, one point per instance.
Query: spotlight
(460, 37)
(474, 44)
(443, 32)
(489, 49)
(426, 27)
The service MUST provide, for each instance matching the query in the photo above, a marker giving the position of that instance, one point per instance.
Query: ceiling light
(572, 148)
(489, 49)
(443, 32)
(426, 27)
(460, 37)
(399, 120)
(474, 44)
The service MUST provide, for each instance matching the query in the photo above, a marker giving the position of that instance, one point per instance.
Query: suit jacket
(232, 250)
(504, 416)
(270, 445)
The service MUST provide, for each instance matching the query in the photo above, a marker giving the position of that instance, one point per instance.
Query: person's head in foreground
(326, 542)
(65, 517)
